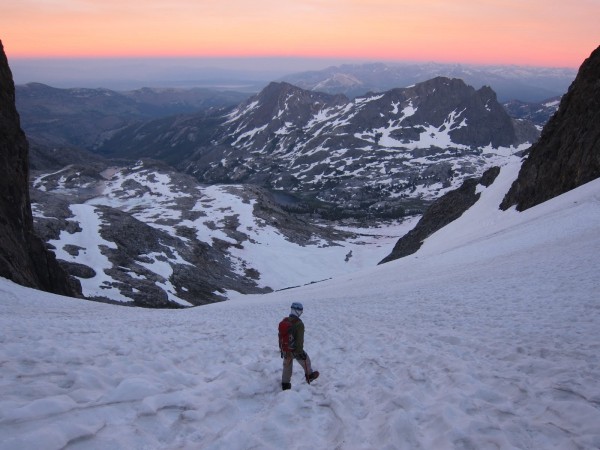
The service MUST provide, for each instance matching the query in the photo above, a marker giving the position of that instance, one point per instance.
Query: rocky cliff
(567, 154)
(23, 256)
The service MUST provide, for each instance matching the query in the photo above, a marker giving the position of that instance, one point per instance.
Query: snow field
(486, 338)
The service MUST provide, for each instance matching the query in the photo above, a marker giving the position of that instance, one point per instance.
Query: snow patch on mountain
(222, 217)
(85, 248)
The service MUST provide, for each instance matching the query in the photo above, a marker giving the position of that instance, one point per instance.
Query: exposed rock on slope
(567, 154)
(146, 235)
(23, 256)
(432, 133)
(446, 209)
(136, 245)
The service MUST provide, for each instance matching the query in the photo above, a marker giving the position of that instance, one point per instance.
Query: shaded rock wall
(567, 154)
(23, 256)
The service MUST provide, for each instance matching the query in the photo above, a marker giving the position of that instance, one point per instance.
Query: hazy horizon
(245, 74)
(160, 72)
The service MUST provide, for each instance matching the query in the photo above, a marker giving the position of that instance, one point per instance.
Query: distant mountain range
(374, 154)
(527, 84)
(81, 117)
(146, 234)
(382, 154)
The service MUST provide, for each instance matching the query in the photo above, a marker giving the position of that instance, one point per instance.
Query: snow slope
(488, 337)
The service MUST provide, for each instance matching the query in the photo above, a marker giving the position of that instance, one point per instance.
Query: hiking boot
(313, 376)
(286, 386)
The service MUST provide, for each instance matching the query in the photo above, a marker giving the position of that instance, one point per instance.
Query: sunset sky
(557, 33)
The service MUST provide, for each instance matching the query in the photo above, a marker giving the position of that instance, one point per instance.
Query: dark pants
(288, 361)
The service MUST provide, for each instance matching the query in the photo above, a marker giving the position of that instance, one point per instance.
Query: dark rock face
(443, 211)
(488, 122)
(568, 152)
(23, 256)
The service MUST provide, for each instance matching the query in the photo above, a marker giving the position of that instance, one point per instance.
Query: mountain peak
(284, 90)
(276, 104)
(277, 88)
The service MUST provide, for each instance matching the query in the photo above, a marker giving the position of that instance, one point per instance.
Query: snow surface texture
(488, 337)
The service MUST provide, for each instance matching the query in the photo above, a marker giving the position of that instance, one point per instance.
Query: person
(296, 349)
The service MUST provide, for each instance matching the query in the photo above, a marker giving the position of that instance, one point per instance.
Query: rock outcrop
(567, 154)
(446, 209)
(23, 256)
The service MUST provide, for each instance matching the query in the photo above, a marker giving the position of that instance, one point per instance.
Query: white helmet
(297, 309)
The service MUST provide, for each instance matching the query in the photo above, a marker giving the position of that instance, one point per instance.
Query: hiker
(291, 345)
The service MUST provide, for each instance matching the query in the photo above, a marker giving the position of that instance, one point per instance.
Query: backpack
(286, 336)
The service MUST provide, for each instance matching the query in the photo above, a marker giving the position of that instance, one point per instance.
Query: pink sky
(528, 32)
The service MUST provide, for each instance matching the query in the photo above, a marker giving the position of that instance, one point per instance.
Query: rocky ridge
(115, 229)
